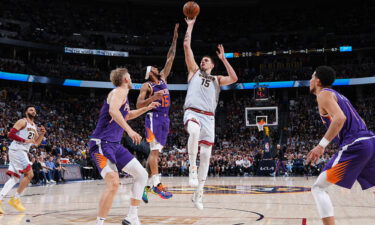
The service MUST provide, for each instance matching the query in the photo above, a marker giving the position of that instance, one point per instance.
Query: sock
(204, 164)
(201, 185)
(133, 211)
(155, 180)
(100, 220)
(7, 187)
(149, 181)
(17, 195)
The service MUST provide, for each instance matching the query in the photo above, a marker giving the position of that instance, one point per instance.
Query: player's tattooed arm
(170, 56)
(189, 55)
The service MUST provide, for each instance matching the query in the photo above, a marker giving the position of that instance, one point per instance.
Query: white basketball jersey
(26, 133)
(203, 92)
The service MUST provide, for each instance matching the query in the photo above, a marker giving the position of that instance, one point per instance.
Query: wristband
(324, 142)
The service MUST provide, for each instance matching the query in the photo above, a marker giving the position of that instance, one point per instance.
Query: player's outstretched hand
(153, 105)
(190, 22)
(175, 33)
(315, 154)
(136, 138)
(42, 130)
(158, 95)
(221, 52)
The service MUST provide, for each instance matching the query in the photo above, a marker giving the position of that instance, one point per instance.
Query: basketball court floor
(229, 201)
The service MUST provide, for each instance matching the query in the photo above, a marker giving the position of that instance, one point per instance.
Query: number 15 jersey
(203, 92)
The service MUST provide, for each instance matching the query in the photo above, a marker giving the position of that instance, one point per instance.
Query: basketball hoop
(260, 125)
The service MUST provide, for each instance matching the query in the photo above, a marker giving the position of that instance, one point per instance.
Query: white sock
(136, 170)
(149, 181)
(99, 221)
(194, 132)
(133, 211)
(155, 180)
(319, 191)
(17, 195)
(7, 187)
(204, 164)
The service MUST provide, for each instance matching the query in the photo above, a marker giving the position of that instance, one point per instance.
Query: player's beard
(30, 116)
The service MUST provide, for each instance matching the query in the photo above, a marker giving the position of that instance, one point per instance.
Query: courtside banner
(72, 172)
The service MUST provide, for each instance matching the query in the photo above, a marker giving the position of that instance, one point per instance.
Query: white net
(260, 126)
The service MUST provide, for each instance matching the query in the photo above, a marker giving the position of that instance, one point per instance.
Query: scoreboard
(261, 93)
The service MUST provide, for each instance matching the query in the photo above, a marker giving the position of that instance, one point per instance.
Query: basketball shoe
(131, 221)
(161, 190)
(197, 199)
(1, 207)
(145, 194)
(16, 203)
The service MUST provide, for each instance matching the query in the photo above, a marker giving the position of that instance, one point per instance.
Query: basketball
(191, 9)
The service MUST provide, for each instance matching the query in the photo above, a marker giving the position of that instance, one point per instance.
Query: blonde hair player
(108, 153)
(157, 120)
(24, 134)
(200, 105)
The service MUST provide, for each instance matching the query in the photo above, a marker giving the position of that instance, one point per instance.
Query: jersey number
(205, 82)
(165, 101)
(31, 135)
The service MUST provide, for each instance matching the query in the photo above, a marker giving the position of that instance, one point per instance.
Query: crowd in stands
(70, 119)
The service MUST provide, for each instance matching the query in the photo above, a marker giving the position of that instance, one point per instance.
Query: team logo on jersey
(240, 189)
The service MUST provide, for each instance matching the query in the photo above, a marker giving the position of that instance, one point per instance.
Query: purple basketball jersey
(106, 128)
(166, 101)
(354, 126)
(157, 120)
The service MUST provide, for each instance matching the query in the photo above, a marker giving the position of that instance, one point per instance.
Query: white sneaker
(131, 221)
(193, 177)
(52, 181)
(197, 199)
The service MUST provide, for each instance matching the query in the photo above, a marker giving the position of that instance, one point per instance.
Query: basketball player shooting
(24, 134)
(356, 158)
(157, 120)
(200, 105)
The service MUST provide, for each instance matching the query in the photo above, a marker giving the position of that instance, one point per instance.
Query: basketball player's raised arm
(189, 56)
(328, 103)
(142, 101)
(135, 113)
(116, 101)
(232, 76)
(164, 73)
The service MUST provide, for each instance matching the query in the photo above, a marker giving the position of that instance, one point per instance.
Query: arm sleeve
(13, 135)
